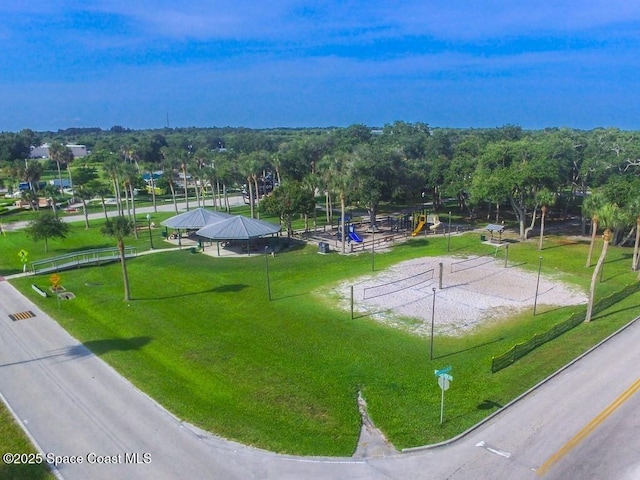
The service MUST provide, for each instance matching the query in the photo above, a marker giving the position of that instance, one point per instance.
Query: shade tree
(46, 226)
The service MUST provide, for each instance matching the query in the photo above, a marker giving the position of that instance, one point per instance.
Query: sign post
(444, 380)
(24, 258)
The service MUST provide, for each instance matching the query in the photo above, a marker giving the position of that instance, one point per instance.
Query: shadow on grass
(92, 347)
(417, 242)
(100, 347)
(469, 349)
(284, 297)
(234, 287)
(601, 317)
(488, 405)
(560, 245)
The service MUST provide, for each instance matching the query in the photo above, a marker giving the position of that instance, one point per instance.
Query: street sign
(443, 371)
(443, 382)
(23, 254)
(55, 279)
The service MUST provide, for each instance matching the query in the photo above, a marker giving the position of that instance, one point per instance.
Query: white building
(42, 151)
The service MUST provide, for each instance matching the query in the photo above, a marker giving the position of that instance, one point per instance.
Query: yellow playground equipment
(432, 219)
(422, 219)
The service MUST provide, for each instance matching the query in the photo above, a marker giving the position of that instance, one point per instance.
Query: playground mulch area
(475, 290)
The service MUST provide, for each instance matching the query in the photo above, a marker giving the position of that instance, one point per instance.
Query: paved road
(73, 404)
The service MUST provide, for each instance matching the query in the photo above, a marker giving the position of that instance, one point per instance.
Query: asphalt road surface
(581, 424)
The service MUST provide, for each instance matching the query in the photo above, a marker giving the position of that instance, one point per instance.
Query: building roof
(194, 219)
(238, 228)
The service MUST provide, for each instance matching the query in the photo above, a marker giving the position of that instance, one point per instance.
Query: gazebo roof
(194, 219)
(238, 228)
(494, 228)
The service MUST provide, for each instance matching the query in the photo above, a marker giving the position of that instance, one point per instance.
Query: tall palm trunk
(250, 184)
(594, 230)
(186, 187)
(342, 222)
(59, 176)
(133, 206)
(104, 207)
(634, 267)
(86, 213)
(153, 194)
(326, 204)
(197, 187)
(125, 276)
(173, 196)
(257, 194)
(594, 278)
(542, 218)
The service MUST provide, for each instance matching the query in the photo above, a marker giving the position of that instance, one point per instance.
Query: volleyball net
(473, 262)
(397, 285)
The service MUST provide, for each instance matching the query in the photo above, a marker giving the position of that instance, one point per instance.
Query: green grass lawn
(13, 440)
(201, 337)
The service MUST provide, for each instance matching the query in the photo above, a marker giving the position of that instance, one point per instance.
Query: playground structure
(432, 220)
(353, 235)
(387, 229)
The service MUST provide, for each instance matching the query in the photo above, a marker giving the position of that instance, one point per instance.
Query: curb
(520, 397)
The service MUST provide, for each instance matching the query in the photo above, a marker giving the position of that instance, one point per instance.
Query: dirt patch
(475, 290)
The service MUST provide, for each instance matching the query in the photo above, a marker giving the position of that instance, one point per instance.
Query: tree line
(529, 173)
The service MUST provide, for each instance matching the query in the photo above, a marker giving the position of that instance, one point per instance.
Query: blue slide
(354, 236)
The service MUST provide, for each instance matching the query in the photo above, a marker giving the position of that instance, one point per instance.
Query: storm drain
(22, 315)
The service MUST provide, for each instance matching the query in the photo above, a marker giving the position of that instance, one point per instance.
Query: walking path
(164, 207)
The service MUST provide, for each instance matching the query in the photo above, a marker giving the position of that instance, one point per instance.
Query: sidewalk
(164, 207)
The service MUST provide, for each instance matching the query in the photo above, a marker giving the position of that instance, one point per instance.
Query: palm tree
(545, 198)
(149, 168)
(338, 175)
(85, 193)
(129, 177)
(50, 191)
(112, 170)
(168, 166)
(55, 154)
(250, 167)
(31, 197)
(184, 160)
(609, 216)
(32, 173)
(590, 207)
(101, 190)
(633, 210)
(120, 227)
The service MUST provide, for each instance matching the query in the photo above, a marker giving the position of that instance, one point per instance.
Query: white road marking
(502, 453)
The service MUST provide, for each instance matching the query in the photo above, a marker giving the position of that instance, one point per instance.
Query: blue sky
(100, 63)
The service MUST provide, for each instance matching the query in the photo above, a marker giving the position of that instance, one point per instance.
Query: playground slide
(434, 226)
(355, 237)
(418, 228)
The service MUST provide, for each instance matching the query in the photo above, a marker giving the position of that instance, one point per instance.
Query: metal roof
(494, 228)
(238, 228)
(194, 219)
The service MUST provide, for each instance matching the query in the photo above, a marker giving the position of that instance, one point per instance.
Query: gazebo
(493, 228)
(194, 220)
(238, 228)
